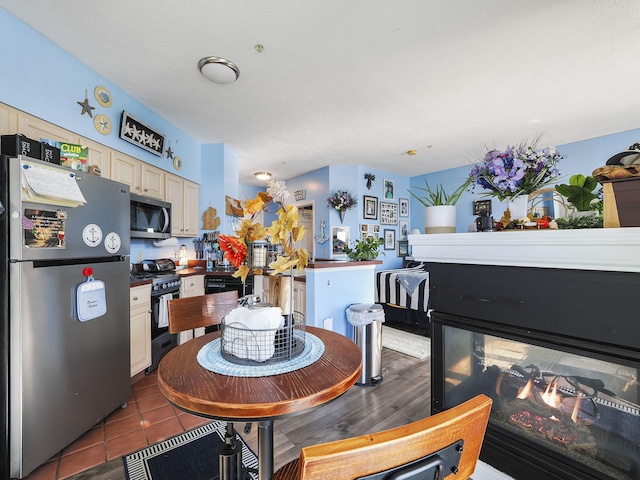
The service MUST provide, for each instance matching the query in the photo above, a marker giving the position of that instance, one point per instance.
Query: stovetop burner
(162, 273)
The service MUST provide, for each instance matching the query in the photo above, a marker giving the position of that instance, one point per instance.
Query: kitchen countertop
(138, 282)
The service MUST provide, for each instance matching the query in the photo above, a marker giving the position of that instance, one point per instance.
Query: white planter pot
(440, 219)
(518, 206)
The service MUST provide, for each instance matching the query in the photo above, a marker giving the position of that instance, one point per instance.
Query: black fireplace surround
(590, 320)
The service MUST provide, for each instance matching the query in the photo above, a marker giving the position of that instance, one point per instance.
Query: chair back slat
(378, 452)
(200, 311)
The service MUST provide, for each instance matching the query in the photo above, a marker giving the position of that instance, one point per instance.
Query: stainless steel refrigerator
(65, 315)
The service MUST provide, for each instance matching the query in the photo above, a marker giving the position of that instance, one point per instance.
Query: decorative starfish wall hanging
(169, 151)
(86, 108)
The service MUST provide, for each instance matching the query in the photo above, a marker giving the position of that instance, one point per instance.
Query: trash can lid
(366, 307)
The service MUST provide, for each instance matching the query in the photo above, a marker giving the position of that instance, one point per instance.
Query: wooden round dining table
(194, 389)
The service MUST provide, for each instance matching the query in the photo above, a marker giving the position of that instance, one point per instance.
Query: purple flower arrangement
(516, 171)
(341, 200)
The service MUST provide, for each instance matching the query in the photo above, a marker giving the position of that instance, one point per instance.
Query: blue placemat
(210, 357)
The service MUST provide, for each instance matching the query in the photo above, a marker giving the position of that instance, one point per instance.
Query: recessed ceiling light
(218, 70)
(263, 175)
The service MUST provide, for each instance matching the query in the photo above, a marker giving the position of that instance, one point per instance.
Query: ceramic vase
(518, 206)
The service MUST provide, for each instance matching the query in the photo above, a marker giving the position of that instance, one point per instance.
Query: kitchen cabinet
(280, 293)
(183, 196)
(142, 178)
(300, 296)
(8, 120)
(191, 286)
(37, 129)
(98, 155)
(140, 327)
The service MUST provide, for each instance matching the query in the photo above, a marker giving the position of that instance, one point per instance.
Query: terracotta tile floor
(147, 419)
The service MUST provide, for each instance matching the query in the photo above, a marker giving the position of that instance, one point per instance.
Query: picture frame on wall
(389, 239)
(403, 248)
(389, 187)
(388, 213)
(404, 207)
(370, 210)
(404, 230)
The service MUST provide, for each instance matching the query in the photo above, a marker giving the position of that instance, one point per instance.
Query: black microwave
(150, 218)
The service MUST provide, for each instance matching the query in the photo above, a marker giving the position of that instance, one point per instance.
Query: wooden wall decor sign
(134, 131)
(233, 206)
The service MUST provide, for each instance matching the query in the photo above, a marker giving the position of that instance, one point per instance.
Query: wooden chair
(190, 313)
(201, 311)
(402, 451)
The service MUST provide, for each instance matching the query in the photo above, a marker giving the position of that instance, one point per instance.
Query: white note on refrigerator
(44, 184)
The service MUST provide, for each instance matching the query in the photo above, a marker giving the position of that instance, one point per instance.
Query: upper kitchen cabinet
(8, 120)
(142, 178)
(98, 155)
(183, 196)
(37, 129)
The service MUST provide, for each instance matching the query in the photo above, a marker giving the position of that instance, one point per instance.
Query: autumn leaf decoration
(285, 230)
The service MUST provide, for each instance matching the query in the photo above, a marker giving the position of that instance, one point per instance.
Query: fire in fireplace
(566, 398)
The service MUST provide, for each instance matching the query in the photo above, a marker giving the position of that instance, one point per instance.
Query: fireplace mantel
(607, 249)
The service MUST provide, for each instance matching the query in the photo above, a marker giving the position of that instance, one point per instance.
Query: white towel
(252, 332)
(163, 311)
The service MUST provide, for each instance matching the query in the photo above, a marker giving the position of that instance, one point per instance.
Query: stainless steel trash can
(367, 319)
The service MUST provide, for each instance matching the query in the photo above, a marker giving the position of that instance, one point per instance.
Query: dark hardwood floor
(403, 396)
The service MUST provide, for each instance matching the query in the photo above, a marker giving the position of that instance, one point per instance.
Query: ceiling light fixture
(218, 70)
(263, 175)
(412, 152)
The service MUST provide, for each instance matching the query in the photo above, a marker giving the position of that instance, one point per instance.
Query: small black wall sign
(134, 131)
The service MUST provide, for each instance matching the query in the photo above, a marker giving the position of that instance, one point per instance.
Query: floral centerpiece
(285, 230)
(341, 201)
(516, 171)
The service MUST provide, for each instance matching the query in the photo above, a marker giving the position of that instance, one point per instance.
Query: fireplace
(557, 350)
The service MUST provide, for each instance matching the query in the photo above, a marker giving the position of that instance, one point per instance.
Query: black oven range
(165, 285)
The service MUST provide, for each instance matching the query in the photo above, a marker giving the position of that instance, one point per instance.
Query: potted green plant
(440, 207)
(367, 249)
(580, 192)
(439, 196)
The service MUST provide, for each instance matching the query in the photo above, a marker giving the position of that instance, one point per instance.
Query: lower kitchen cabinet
(191, 286)
(140, 326)
(300, 297)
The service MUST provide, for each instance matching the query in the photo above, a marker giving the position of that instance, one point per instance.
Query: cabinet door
(191, 286)
(191, 209)
(98, 155)
(8, 120)
(36, 129)
(126, 169)
(152, 180)
(300, 297)
(173, 195)
(140, 328)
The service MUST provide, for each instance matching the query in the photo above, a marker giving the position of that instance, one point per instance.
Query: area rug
(405, 342)
(192, 455)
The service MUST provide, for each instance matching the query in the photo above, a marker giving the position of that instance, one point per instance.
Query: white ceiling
(363, 81)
